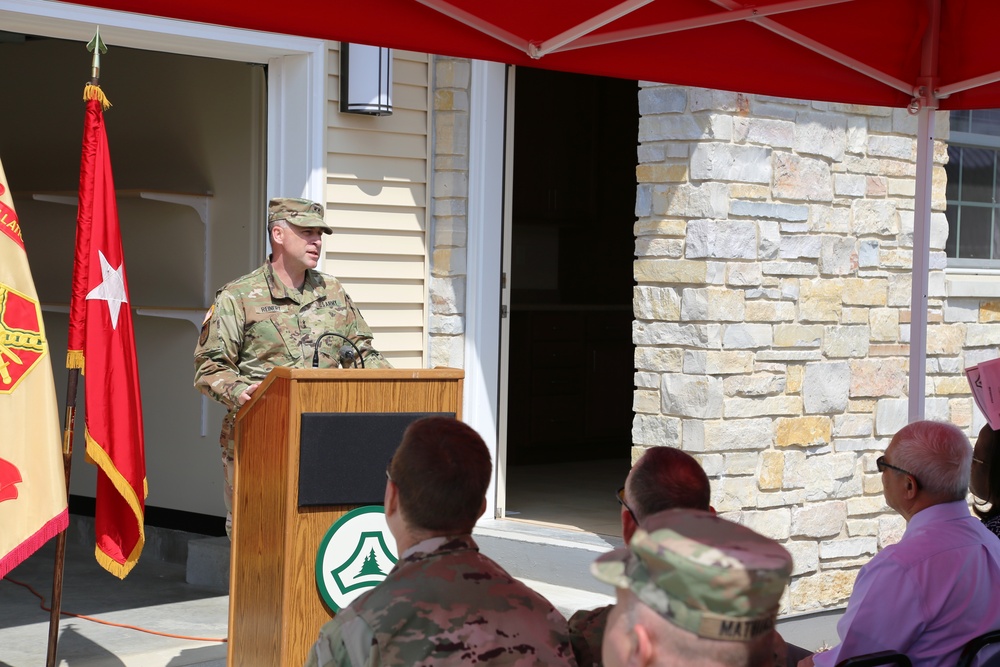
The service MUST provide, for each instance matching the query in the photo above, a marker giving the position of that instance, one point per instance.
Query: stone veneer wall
(449, 212)
(774, 250)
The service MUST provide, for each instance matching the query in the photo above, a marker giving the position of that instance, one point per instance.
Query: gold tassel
(94, 92)
(74, 359)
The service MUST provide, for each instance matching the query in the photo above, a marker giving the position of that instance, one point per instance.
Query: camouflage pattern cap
(712, 577)
(298, 212)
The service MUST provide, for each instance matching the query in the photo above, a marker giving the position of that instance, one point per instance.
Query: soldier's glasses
(621, 498)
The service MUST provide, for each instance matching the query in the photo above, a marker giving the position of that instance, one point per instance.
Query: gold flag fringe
(74, 359)
(94, 92)
(97, 455)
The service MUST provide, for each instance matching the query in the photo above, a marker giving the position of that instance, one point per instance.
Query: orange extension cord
(116, 625)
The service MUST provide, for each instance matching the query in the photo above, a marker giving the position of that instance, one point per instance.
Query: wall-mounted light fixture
(365, 79)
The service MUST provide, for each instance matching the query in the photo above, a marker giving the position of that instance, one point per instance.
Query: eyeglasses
(979, 461)
(620, 497)
(881, 464)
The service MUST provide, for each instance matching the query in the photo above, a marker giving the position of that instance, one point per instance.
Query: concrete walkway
(154, 596)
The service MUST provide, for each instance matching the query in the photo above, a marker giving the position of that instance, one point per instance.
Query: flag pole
(95, 46)
(57, 575)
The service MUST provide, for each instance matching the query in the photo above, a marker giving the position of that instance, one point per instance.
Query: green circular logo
(356, 554)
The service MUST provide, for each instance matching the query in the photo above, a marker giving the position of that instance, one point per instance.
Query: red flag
(102, 343)
(32, 480)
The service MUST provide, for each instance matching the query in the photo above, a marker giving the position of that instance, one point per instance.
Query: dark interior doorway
(571, 354)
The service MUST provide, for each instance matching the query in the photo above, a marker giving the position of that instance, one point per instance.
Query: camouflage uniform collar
(280, 290)
(436, 546)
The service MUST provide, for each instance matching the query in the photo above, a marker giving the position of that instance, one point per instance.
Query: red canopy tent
(857, 51)
(920, 54)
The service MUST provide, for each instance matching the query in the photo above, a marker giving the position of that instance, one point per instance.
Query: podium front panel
(343, 455)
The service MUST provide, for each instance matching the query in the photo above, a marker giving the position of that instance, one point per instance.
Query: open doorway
(570, 374)
(187, 143)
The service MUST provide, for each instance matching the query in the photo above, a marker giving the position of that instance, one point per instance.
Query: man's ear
(391, 498)
(641, 648)
(277, 233)
(482, 508)
(628, 526)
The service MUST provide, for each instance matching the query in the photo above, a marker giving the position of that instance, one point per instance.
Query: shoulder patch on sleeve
(205, 326)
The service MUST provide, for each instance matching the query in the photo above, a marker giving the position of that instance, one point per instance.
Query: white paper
(984, 380)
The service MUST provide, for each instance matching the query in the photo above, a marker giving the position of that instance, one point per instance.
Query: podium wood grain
(275, 609)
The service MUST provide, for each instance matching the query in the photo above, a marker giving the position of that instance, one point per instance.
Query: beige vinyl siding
(377, 201)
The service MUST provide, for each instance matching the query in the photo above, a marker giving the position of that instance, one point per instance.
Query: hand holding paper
(984, 379)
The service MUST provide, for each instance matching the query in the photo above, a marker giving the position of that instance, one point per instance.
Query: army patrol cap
(298, 212)
(712, 577)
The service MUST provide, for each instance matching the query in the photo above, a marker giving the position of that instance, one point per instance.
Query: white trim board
(150, 33)
(485, 240)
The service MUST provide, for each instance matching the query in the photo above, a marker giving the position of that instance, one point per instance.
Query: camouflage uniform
(257, 323)
(444, 603)
(586, 632)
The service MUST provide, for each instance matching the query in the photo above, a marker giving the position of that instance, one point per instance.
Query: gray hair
(271, 224)
(938, 454)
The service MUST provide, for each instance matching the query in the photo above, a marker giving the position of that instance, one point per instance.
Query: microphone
(347, 357)
(345, 353)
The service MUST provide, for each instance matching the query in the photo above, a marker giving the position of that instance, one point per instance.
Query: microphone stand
(333, 333)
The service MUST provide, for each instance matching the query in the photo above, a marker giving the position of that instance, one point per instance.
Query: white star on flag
(111, 290)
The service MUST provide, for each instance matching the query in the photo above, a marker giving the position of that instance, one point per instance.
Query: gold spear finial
(97, 47)
(92, 91)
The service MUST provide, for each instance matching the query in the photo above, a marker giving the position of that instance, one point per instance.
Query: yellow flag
(32, 482)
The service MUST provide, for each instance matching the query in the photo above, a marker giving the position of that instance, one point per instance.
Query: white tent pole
(477, 23)
(928, 102)
(822, 49)
(968, 84)
(921, 261)
(587, 27)
(704, 21)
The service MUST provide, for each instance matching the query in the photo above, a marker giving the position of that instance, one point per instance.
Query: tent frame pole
(927, 103)
(921, 262)
(706, 21)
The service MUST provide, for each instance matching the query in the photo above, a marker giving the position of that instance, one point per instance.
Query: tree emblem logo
(356, 554)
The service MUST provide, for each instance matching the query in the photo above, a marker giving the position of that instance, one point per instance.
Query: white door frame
(484, 244)
(508, 216)
(296, 74)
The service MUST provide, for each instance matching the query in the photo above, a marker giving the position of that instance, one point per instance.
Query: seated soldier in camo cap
(694, 590)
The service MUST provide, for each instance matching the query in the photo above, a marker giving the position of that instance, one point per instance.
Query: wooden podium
(275, 609)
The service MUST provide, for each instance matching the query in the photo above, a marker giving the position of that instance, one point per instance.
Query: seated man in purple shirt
(936, 589)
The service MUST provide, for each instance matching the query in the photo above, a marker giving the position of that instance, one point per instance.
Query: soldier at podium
(443, 603)
(283, 314)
